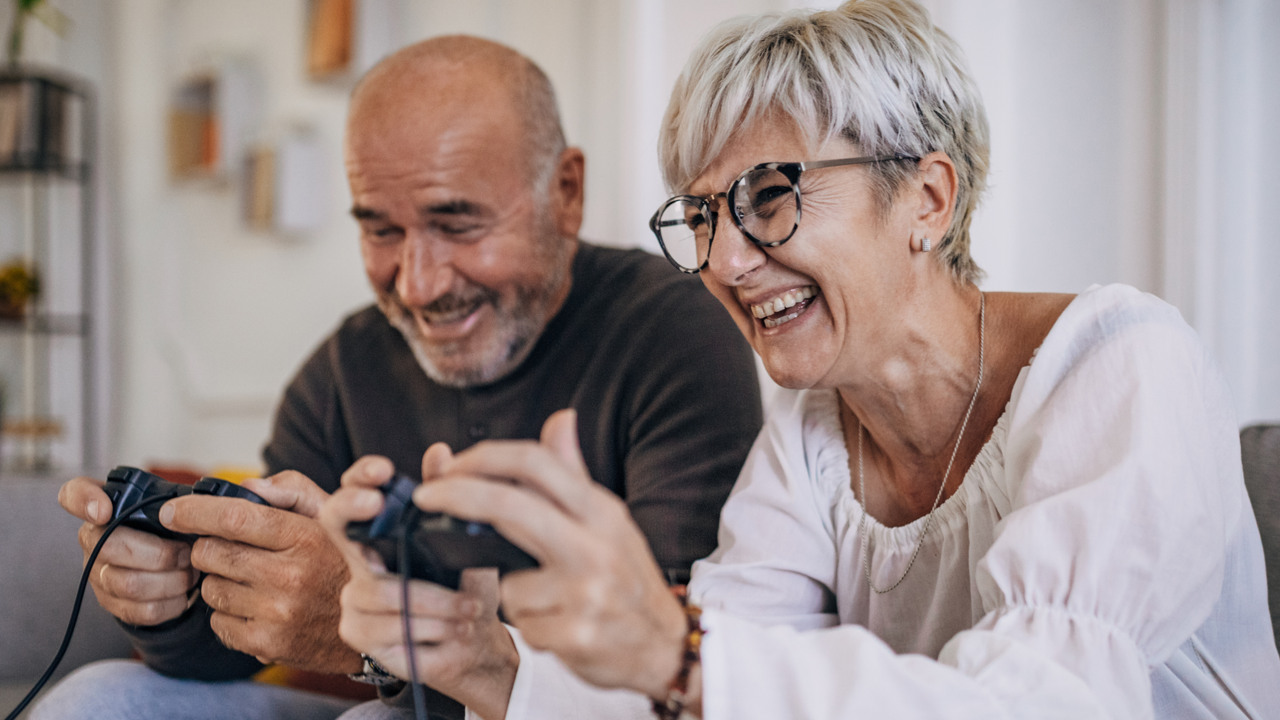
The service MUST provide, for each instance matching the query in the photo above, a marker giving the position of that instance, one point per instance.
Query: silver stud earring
(926, 245)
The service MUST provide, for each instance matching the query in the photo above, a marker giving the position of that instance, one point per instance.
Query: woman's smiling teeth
(773, 312)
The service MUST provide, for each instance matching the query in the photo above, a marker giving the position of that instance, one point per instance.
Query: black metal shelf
(29, 165)
(47, 137)
(46, 324)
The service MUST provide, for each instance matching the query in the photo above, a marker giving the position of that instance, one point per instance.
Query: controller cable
(75, 609)
(419, 697)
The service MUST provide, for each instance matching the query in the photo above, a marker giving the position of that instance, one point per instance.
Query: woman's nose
(732, 256)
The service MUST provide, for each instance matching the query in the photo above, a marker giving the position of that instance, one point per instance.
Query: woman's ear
(934, 197)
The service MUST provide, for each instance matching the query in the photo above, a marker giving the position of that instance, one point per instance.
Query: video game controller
(440, 546)
(128, 486)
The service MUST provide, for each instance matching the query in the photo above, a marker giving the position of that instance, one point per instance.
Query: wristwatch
(372, 673)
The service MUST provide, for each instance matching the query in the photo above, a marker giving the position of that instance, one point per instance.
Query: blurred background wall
(1132, 142)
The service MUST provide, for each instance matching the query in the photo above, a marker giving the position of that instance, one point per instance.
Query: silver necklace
(928, 522)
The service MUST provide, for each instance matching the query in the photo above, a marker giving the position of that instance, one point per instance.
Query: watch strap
(372, 673)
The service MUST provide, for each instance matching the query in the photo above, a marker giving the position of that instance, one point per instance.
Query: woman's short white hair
(877, 72)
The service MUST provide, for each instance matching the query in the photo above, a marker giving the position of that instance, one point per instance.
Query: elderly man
(490, 316)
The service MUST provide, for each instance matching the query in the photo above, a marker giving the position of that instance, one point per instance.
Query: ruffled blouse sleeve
(775, 560)
(1122, 467)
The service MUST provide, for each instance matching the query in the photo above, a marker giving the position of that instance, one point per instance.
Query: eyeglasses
(764, 202)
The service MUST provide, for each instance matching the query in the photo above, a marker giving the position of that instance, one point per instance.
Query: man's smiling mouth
(452, 308)
(785, 307)
(452, 314)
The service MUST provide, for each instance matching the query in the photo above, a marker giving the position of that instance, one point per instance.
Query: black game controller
(128, 486)
(440, 546)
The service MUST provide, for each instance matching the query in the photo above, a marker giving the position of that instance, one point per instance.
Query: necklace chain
(928, 523)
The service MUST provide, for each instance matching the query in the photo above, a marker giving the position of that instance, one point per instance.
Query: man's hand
(138, 577)
(273, 574)
(459, 646)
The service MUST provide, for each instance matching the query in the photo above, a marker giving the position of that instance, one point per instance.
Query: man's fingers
(290, 490)
(238, 561)
(147, 613)
(231, 518)
(231, 597)
(136, 549)
(85, 499)
(144, 586)
(242, 634)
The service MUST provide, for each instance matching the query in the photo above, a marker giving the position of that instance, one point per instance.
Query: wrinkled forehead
(773, 137)
(399, 122)
(768, 134)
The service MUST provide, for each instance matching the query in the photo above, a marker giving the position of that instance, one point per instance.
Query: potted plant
(39, 9)
(19, 283)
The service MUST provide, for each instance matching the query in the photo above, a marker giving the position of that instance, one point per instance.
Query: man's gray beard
(521, 325)
(520, 343)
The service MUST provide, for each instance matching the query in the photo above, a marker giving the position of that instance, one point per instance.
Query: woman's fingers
(523, 516)
(358, 500)
(435, 459)
(370, 471)
(349, 504)
(560, 435)
(555, 470)
(371, 633)
(382, 594)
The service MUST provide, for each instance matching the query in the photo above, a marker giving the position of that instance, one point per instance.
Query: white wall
(1129, 144)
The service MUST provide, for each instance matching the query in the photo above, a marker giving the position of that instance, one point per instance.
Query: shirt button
(478, 432)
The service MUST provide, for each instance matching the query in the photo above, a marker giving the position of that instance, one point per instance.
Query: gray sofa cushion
(40, 567)
(1260, 453)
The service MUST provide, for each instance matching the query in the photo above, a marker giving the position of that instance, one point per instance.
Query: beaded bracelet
(677, 691)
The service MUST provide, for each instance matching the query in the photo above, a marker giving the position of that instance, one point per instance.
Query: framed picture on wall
(346, 37)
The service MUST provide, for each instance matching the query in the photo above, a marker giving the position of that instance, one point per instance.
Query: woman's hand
(598, 601)
(460, 647)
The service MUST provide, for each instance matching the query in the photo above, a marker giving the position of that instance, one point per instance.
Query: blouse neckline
(834, 466)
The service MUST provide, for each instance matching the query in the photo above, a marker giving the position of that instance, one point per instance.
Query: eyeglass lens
(764, 201)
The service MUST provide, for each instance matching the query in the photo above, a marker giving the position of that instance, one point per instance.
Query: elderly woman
(971, 505)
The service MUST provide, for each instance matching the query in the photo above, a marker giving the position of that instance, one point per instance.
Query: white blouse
(1100, 558)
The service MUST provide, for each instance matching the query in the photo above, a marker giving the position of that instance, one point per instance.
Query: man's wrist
(373, 673)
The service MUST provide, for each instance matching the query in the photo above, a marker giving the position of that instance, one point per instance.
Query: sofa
(1260, 454)
(40, 568)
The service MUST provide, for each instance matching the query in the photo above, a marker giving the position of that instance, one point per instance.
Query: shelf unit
(47, 212)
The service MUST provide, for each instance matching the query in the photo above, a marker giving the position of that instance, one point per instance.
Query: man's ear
(568, 187)
(934, 194)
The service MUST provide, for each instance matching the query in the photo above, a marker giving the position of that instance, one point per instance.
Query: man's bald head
(468, 202)
(466, 75)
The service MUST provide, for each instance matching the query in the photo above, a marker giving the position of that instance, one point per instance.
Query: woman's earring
(925, 244)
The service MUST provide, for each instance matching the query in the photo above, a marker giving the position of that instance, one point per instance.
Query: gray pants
(128, 690)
